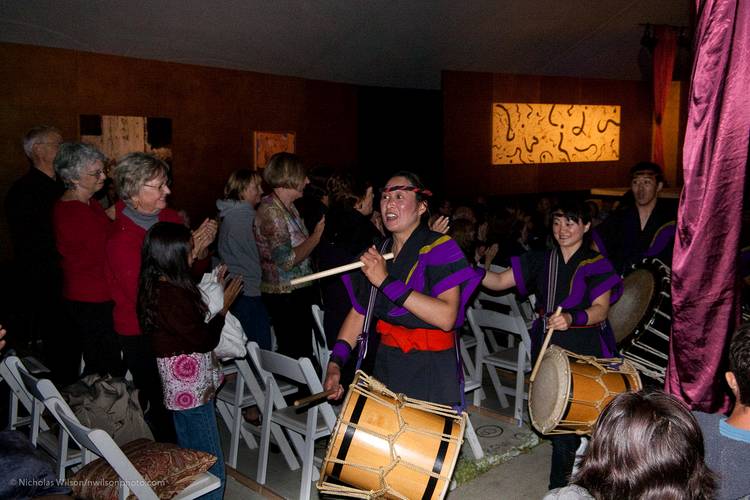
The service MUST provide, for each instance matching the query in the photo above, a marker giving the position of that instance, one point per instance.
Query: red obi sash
(410, 339)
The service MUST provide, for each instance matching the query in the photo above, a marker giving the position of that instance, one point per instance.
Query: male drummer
(644, 229)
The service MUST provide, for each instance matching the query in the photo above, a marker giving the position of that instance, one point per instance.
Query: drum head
(626, 313)
(548, 394)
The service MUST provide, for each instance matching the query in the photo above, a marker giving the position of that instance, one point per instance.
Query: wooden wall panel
(213, 112)
(467, 101)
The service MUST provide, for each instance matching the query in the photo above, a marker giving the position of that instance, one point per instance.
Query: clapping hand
(203, 237)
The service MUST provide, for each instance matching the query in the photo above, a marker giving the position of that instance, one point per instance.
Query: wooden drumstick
(314, 397)
(544, 347)
(332, 271)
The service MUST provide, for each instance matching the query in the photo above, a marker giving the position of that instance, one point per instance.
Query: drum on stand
(570, 391)
(391, 446)
(642, 318)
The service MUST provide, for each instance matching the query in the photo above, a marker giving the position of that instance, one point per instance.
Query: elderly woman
(142, 184)
(81, 228)
(285, 246)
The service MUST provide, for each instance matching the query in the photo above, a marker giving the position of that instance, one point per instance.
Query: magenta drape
(704, 278)
(664, 54)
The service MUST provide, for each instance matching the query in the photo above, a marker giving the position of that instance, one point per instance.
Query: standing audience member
(583, 284)
(28, 208)
(81, 228)
(238, 250)
(727, 440)
(285, 247)
(348, 233)
(645, 229)
(143, 186)
(172, 315)
(645, 445)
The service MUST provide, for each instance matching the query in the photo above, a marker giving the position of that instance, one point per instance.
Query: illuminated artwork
(554, 133)
(269, 143)
(115, 136)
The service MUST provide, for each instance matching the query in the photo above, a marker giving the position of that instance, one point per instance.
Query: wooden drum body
(570, 390)
(387, 445)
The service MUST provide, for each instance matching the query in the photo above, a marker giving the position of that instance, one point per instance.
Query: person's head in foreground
(646, 445)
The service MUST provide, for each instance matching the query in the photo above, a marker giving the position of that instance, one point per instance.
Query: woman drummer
(583, 283)
(418, 305)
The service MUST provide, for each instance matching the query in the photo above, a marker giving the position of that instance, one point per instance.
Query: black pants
(291, 315)
(564, 448)
(93, 332)
(141, 362)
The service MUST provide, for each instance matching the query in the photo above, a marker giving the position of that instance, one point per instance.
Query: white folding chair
(242, 392)
(100, 443)
(516, 359)
(18, 394)
(306, 426)
(320, 344)
(64, 455)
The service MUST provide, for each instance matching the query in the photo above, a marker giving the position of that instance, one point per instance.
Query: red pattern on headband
(425, 192)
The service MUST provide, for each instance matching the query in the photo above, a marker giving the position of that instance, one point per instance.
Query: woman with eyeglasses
(142, 183)
(81, 226)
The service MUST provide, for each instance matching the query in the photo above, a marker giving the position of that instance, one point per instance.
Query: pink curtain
(664, 54)
(705, 286)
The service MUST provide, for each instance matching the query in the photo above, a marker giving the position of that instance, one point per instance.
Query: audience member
(172, 316)
(727, 440)
(238, 250)
(347, 234)
(644, 229)
(81, 228)
(38, 280)
(285, 246)
(143, 186)
(645, 445)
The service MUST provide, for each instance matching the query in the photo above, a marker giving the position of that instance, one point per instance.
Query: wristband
(579, 317)
(396, 290)
(340, 353)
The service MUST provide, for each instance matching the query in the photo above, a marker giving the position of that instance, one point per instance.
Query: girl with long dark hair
(172, 313)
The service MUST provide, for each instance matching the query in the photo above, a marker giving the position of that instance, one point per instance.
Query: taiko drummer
(580, 281)
(418, 305)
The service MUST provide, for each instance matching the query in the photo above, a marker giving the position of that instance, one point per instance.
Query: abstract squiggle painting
(554, 133)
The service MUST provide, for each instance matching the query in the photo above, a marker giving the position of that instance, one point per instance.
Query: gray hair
(72, 159)
(134, 170)
(36, 135)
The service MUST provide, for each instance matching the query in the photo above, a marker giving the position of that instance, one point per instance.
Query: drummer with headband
(418, 301)
(580, 281)
(645, 229)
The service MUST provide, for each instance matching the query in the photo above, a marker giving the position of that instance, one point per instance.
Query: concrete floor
(523, 477)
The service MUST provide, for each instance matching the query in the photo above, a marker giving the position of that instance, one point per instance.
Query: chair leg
(518, 413)
(62, 453)
(498, 386)
(468, 363)
(471, 437)
(307, 459)
(230, 419)
(265, 437)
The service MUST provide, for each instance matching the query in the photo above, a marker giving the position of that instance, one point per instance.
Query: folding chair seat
(306, 425)
(97, 442)
(516, 359)
(240, 393)
(59, 447)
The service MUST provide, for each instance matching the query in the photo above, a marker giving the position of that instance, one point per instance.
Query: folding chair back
(320, 344)
(41, 390)
(18, 393)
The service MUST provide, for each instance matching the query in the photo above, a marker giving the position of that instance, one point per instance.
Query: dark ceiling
(391, 43)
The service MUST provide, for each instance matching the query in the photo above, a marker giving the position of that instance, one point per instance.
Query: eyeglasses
(97, 173)
(158, 187)
(54, 143)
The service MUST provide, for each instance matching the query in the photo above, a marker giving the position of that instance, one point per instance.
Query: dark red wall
(213, 112)
(467, 101)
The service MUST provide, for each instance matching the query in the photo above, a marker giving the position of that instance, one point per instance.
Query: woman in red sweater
(81, 227)
(142, 183)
